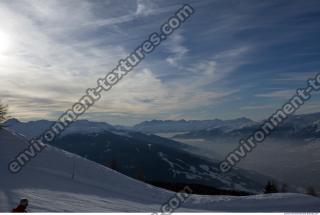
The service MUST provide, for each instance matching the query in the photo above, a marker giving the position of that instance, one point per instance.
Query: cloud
(58, 49)
(143, 93)
(144, 7)
(278, 94)
(295, 76)
(176, 49)
(309, 107)
(39, 66)
(46, 73)
(256, 107)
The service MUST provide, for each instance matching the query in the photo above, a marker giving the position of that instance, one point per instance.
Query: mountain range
(166, 126)
(146, 156)
(136, 153)
(49, 184)
(296, 128)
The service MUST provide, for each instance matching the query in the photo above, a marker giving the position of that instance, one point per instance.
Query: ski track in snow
(3, 201)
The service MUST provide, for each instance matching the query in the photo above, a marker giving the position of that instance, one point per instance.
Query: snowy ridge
(36, 128)
(159, 126)
(47, 183)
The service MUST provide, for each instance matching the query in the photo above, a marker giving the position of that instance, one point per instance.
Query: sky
(230, 59)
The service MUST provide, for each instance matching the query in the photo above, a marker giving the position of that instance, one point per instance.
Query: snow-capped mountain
(158, 159)
(35, 128)
(48, 184)
(130, 150)
(159, 126)
(297, 129)
(294, 148)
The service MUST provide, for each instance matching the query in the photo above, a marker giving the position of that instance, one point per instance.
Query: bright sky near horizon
(231, 59)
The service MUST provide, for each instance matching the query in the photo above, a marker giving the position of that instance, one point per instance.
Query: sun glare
(4, 42)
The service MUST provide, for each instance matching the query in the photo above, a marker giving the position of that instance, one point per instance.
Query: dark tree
(3, 113)
(311, 191)
(73, 169)
(140, 175)
(113, 164)
(271, 187)
(284, 188)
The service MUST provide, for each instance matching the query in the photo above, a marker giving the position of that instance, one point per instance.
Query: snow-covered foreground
(47, 183)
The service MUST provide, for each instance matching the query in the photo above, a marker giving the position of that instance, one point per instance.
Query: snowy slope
(47, 183)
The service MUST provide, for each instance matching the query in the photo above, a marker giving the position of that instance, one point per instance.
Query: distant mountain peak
(12, 121)
(158, 126)
(37, 127)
